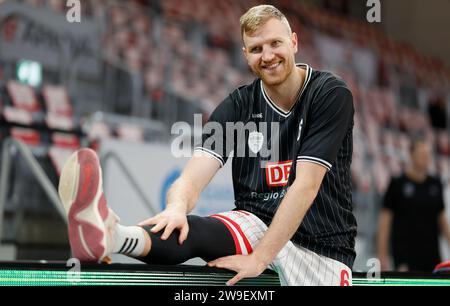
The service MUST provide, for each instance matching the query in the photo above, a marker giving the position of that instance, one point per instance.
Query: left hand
(244, 265)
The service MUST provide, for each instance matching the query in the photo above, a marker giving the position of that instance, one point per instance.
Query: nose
(267, 55)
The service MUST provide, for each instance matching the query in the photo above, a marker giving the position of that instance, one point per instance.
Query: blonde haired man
(293, 209)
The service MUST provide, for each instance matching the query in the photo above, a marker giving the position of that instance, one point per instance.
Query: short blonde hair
(257, 16)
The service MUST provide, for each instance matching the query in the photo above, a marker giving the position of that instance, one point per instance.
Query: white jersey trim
(274, 106)
(212, 153)
(316, 161)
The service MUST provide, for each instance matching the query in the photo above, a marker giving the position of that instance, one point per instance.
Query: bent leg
(208, 239)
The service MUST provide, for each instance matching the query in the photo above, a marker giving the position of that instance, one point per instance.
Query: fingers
(218, 263)
(235, 279)
(167, 231)
(225, 263)
(169, 223)
(243, 265)
(158, 221)
(150, 221)
(159, 227)
(214, 263)
(183, 233)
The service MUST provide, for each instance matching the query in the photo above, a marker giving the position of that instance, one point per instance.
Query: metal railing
(13, 146)
(133, 182)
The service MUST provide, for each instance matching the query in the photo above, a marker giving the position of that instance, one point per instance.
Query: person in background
(412, 217)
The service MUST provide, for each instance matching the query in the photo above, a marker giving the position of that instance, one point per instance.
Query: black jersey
(415, 229)
(317, 129)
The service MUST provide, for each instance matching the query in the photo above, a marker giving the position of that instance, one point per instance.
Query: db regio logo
(277, 174)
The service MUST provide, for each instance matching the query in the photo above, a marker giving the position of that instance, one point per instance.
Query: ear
(245, 51)
(294, 41)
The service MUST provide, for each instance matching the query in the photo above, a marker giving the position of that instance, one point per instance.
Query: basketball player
(293, 212)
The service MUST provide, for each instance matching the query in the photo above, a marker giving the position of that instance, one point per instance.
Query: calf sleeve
(208, 238)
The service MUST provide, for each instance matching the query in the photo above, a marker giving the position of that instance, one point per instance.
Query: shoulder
(326, 82)
(236, 105)
(434, 180)
(327, 79)
(328, 93)
(245, 94)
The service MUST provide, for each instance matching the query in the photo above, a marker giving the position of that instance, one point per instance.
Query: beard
(285, 70)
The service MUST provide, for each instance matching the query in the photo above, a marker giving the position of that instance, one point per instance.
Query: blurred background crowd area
(158, 62)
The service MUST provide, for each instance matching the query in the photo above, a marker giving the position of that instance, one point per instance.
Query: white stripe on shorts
(235, 233)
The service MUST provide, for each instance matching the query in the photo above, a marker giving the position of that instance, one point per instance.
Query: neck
(417, 175)
(285, 94)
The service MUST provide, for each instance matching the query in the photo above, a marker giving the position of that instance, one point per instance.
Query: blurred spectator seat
(130, 132)
(59, 116)
(66, 141)
(23, 96)
(57, 100)
(16, 115)
(55, 121)
(24, 106)
(29, 136)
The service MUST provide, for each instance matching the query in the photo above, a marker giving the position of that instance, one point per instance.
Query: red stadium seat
(23, 96)
(17, 115)
(66, 141)
(29, 136)
(25, 105)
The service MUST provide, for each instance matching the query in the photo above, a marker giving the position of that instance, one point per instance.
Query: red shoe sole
(87, 237)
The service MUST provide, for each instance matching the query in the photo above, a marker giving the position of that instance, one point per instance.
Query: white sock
(129, 240)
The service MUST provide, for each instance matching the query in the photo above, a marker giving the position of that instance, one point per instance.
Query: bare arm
(197, 174)
(183, 195)
(384, 230)
(292, 210)
(445, 228)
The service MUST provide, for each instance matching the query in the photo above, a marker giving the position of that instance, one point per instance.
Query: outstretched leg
(94, 231)
(208, 239)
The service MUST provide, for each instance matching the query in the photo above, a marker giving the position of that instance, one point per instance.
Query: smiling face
(270, 51)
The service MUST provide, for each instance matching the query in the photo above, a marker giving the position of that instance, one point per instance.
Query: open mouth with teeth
(271, 67)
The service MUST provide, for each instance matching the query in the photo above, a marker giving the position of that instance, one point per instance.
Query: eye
(276, 43)
(255, 50)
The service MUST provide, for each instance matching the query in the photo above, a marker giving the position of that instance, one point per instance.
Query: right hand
(169, 220)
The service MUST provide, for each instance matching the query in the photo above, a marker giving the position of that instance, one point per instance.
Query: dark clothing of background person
(415, 229)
